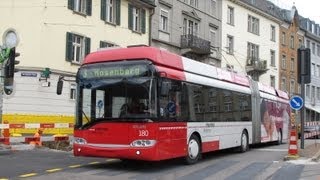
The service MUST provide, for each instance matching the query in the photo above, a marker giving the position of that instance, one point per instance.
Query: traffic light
(9, 71)
(304, 65)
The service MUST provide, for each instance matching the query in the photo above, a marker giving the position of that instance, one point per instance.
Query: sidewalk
(311, 149)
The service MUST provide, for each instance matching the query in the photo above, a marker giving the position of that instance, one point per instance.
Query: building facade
(312, 90)
(249, 40)
(291, 38)
(54, 37)
(191, 28)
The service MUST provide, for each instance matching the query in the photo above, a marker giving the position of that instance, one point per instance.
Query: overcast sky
(306, 8)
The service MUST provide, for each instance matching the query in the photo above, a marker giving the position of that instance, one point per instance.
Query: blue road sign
(296, 102)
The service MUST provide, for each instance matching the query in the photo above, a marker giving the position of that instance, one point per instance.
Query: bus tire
(193, 150)
(279, 141)
(244, 142)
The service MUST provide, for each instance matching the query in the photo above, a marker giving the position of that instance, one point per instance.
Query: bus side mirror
(60, 85)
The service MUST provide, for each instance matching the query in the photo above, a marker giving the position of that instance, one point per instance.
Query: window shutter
(70, 4)
(143, 21)
(103, 10)
(118, 10)
(130, 16)
(87, 46)
(69, 49)
(89, 7)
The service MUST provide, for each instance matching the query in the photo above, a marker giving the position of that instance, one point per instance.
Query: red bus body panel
(112, 140)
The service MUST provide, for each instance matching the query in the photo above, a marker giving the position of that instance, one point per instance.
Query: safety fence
(312, 129)
(38, 129)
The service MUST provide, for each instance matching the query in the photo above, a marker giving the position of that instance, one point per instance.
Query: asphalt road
(264, 162)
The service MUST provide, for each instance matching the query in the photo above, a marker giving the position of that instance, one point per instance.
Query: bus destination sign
(102, 71)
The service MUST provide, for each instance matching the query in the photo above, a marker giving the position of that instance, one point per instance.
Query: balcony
(150, 3)
(256, 65)
(193, 44)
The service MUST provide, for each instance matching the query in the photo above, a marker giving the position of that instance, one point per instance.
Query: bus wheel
(194, 150)
(279, 137)
(244, 142)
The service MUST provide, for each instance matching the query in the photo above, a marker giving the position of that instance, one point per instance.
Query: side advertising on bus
(144, 103)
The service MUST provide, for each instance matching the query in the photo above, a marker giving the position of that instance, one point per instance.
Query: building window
(137, 19)
(313, 91)
(110, 11)
(292, 84)
(318, 93)
(80, 6)
(213, 7)
(77, 47)
(308, 43)
(273, 33)
(104, 44)
(318, 50)
(313, 48)
(292, 42)
(283, 38)
(253, 25)
(272, 58)
(230, 44)
(164, 19)
(73, 91)
(318, 71)
(292, 64)
(253, 53)
(313, 69)
(230, 15)
(193, 3)
(308, 91)
(273, 81)
(300, 42)
(283, 84)
(284, 64)
(190, 27)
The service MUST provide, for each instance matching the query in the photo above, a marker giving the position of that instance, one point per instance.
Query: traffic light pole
(303, 114)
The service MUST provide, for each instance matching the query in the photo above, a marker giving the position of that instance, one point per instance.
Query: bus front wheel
(194, 150)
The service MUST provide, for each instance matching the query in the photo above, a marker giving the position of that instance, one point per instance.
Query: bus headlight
(143, 143)
(79, 141)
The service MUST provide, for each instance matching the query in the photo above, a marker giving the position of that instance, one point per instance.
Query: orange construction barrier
(293, 145)
(37, 137)
(6, 135)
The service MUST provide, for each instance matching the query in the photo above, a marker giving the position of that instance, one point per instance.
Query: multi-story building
(250, 39)
(290, 39)
(312, 90)
(191, 28)
(55, 36)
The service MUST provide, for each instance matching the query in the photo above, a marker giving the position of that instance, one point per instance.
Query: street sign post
(296, 103)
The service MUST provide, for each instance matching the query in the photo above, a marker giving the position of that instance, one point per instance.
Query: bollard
(6, 134)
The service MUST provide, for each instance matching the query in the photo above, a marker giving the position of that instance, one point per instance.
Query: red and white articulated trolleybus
(144, 103)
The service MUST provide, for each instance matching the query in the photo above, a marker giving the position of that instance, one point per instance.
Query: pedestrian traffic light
(304, 66)
(9, 71)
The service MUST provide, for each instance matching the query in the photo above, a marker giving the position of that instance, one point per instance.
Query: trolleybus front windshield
(118, 91)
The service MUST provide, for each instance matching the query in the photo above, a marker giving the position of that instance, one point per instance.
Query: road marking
(110, 160)
(75, 166)
(53, 170)
(28, 175)
(275, 150)
(96, 162)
